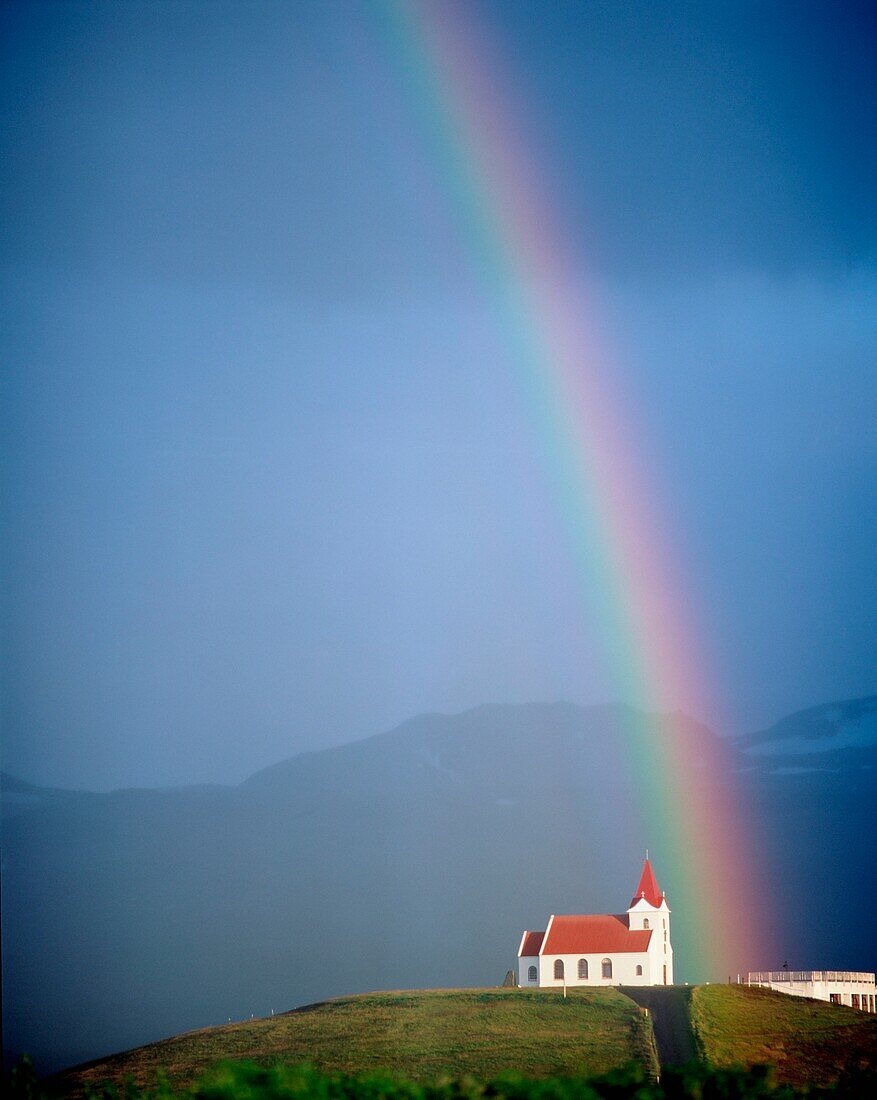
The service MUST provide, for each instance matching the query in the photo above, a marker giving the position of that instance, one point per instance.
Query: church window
(665, 922)
(558, 968)
(834, 998)
(583, 969)
(855, 1000)
(531, 974)
(607, 968)
(639, 971)
(646, 922)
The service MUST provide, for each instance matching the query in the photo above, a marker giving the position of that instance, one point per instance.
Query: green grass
(425, 1035)
(247, 1081)
(422, 1035)
(807, 1042)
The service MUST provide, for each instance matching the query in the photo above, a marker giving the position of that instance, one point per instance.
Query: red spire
(648, 887)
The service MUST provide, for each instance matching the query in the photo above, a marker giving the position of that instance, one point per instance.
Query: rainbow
(689, 815)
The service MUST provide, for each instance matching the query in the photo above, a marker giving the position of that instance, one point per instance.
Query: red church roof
(648, 887)
(593, 935)
(531, 943)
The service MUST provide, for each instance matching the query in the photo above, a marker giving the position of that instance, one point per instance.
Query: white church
(632, 948)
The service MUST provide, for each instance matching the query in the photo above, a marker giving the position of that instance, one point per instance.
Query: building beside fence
(853, 988)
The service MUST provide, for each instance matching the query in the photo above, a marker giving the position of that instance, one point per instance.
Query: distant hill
(836, 736)
(537, 1033)
(412, 859)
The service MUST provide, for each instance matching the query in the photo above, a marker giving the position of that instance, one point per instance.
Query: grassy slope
(534, 1032)
(808, 1042)
(419, 1034)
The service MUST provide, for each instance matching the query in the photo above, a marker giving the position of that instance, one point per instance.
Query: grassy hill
(417, 1033)
(537, 1033)
(807, 1042)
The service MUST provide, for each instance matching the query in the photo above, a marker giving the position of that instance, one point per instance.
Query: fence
(758, 977)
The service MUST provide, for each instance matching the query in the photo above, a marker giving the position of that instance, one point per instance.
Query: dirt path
(668, 1006)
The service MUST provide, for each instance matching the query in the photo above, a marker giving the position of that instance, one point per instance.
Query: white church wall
(659, 958)
(524, 964)
(624, 966)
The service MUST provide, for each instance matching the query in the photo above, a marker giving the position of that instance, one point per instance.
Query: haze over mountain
(411, 859)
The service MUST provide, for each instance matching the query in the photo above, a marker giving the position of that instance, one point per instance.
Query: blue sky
(270, 480)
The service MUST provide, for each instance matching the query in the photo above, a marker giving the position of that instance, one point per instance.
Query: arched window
(531, 974)
(558, 968)
(646, 922)
(583, 968)
(639, 971)
(607, 968)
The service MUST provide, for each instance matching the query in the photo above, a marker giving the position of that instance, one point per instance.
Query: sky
(271, 481)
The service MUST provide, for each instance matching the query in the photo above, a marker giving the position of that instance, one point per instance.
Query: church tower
(649, 911)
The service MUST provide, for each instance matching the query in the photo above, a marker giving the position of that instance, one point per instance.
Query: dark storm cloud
(204, 141)
(709, 135)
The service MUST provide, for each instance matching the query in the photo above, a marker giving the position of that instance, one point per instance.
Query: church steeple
(649, 913)
(648, 886)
